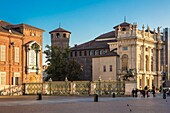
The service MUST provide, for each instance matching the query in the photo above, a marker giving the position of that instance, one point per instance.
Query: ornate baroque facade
(137, 49)
(20, 54)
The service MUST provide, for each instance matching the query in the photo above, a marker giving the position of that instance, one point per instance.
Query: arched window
(64, 35)
(123, 29)
(91, 52)
(124, 62)
(147, 63)
(58, 35)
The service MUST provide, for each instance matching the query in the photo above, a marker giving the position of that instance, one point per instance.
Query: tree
(60, 66)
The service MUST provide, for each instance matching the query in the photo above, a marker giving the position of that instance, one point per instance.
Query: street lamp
(119, 85)
(50, 80)
(99, 85)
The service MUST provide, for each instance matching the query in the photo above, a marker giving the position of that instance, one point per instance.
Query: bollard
(95, 98)
(39, 96)
(113, 95)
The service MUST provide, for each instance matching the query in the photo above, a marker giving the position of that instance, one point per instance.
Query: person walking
(133, 92)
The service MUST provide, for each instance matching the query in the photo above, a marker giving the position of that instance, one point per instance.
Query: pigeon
(127, 104)
(130, 110)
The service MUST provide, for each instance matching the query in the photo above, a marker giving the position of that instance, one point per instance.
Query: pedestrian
(133, 92)
(136, 93)
(147, 93)
(153, 92)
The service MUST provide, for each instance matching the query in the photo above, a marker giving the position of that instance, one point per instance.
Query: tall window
(2, 78)
(75, 53)
(110, 68)
(147, 63)
(152, 63)
(16, 54)
(79, 53)
(85, 53)
(124, 62)
(104, 68)
(2, 52)
(64, 35)
(58, 35)
(90, 52)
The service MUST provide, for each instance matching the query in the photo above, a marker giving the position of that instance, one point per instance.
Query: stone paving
(71, 104)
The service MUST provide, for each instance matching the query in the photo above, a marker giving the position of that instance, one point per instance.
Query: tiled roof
(122, 24)
(107, 35)
(24, 25)
(6, 30)
(93, 45)
(59, 30)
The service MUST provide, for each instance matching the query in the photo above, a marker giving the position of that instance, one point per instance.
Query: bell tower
(60, 38)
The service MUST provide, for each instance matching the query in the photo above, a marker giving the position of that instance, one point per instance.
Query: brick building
(20, 54)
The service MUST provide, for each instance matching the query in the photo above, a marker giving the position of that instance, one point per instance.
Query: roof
(110, 34)
(24, 25)
(93, 45)
(122, 25)
(3, 23)
(60, 30)
(10, 31)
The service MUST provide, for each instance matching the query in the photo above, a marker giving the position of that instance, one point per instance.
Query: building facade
(20, 54)
(138, 50)
(166, 53)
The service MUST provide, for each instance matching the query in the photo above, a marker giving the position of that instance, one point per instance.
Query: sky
(86, 19)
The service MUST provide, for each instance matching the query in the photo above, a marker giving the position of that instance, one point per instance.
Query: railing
(11, 90)
(103, 88)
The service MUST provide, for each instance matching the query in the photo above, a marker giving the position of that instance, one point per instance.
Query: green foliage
(60, 66)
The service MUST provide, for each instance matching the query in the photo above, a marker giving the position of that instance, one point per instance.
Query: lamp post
(99, 85)
(119, 85)
(50, 80)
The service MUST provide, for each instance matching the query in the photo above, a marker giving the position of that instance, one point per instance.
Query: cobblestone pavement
(71, 104)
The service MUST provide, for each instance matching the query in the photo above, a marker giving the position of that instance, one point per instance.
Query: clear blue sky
(86, 19)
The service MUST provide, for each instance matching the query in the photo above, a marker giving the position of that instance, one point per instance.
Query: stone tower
(60, 38)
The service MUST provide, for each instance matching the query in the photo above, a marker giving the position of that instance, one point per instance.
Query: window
(90, 52)
(64, 35)
(147, 63)
(2, 52)
(75, 53)
(96, 52)
(100, 52)
(58, 35)
(146, 49)
(152, 63)
(125, 48)
(124, 62)
(85, 53)
(2, 78)
(123, 29)
(79, 53)
(104, 68)
(110, 68)
(16, 54)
